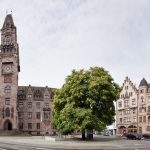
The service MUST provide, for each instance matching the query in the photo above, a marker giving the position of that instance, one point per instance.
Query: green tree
(85, 101)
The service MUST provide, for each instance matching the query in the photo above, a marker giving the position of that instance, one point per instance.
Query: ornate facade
(23, 108)
(133, 108)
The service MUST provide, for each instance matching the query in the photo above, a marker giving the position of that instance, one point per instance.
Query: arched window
(12, 112)
(7, 89)
(7, 112)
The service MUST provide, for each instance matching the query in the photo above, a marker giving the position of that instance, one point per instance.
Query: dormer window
(46, 96)
(38, 94)
(29, 95)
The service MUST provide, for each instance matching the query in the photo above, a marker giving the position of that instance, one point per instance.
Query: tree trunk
(90, 134)
(83, 134)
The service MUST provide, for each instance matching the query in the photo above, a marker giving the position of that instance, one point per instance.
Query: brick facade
(23, 108)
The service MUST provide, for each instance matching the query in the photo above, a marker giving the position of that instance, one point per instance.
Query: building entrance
(7, 125)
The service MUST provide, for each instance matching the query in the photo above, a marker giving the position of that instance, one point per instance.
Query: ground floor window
(29, 125)
(21, 125)
(38, 125)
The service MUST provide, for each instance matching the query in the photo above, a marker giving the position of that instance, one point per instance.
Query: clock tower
(9, 68)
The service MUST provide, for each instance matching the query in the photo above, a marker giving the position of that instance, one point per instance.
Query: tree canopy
(85, 101)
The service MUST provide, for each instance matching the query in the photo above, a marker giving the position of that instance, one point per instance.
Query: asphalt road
(99, 143)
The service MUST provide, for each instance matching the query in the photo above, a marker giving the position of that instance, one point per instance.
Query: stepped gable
(127, 79)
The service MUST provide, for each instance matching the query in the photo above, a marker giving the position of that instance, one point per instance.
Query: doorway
(7, 125)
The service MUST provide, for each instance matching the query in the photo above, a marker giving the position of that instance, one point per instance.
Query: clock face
(7, 68)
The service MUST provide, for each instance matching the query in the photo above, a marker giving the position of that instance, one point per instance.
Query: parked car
(134, 136)
(146, 136)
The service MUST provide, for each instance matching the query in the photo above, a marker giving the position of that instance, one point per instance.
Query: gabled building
(25, 108)
(133, 108)
(126, 108)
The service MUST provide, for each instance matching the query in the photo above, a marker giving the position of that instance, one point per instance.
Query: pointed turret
(9, 43)
(8, 32)
(143, 82)
(8, 23)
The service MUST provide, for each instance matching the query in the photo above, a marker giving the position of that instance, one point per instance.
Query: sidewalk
(99, 143)
(41, 142)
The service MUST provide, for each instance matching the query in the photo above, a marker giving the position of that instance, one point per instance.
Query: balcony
(46, 109)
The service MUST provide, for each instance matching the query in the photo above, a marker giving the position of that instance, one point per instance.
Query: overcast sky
(57, 36)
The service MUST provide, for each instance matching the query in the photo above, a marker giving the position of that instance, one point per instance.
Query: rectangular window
(29, 125)
(38, 115)
(7, 78)
(29, 95)
(120, 112)
(29, 115)
(29, 104)
(20, 115)
(21, 125)
(144, 119)
(46, 115)
(148, 128)
(148, 108)
(125, 120)
(134, 118)
(133, 111)
(119, 104)
(38, 105)
(46, 105)
(140, 119)
(128, 111)
(140, 109)
(7, 101)
(143, 109)
(46, 96)
(133, 101)
(148, 99)
(20, 104)
(7, 90)
(142, 99)
(120, 120)
(126, 103)
(38, 125)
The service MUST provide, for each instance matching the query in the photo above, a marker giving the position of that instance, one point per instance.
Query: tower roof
(143, 82)
(8, 21)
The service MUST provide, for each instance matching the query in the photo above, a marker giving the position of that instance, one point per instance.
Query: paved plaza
(99, 143)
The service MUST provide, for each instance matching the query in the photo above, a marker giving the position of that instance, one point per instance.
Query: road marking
(39, 148)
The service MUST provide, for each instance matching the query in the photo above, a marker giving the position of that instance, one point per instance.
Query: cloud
(56, 36)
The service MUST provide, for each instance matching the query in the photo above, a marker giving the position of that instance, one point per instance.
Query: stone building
(133, 108)
(126, 108)
(23, 108)
(144, 107)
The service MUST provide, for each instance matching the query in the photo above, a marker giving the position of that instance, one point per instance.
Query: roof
(143, 82)
(8, 21)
